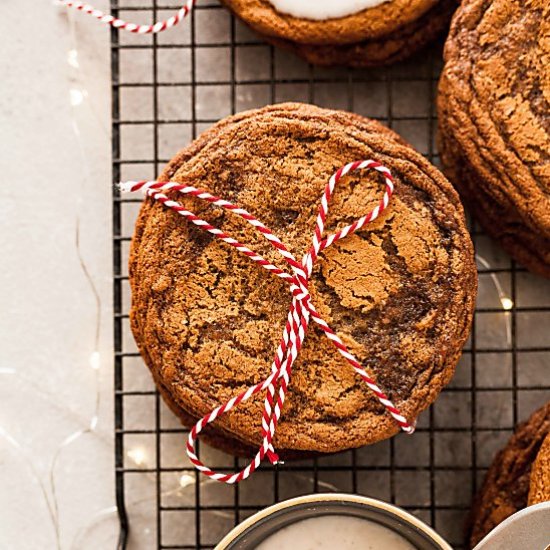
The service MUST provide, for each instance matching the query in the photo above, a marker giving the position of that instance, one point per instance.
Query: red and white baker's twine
(130, 27)
(301, 308)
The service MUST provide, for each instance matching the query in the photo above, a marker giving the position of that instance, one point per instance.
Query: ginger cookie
(494, 121)
(400, 292)
(519, 476)
(539, 486)
(356, 33)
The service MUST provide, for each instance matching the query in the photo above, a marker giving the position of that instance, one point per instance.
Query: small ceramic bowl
(260, 526)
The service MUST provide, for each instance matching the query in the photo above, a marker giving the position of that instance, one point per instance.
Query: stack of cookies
(494, 105)
(518, 477)
(400, 293)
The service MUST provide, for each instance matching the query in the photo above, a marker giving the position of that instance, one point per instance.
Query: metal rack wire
(165, 90)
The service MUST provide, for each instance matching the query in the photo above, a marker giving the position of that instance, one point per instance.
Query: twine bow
(300, 312)
(130, 27)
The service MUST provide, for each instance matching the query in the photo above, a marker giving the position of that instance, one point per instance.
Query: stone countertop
(56, 443)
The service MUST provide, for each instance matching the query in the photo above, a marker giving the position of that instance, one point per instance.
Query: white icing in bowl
(323, 9)
(333, 532)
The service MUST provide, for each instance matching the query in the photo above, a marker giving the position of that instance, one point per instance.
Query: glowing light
(93, 423)
(72, 58)
(507, 303)
(77, 97)
(186, 480)
(137, 455)
(95, 360)
(7, 371)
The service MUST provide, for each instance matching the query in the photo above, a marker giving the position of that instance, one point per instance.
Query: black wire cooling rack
(165, 90)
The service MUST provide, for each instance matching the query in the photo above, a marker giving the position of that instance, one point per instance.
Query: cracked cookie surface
(494, 121)
(539, 481)
(400, 293)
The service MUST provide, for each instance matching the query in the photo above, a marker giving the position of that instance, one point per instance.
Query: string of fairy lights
(140, 455)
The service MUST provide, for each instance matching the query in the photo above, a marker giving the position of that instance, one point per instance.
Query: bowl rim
(320, 498)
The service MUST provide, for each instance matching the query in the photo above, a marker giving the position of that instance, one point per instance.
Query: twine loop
(135, 28)
(301, 311)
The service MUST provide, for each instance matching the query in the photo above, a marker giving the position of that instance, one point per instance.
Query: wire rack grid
(165, 90)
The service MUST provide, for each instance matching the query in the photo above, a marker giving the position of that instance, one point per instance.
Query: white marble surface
(56, 180)
(49, 311)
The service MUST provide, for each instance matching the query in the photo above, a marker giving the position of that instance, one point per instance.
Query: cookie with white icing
(357, 33)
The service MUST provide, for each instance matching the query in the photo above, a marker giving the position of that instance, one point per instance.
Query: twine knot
(301, 311)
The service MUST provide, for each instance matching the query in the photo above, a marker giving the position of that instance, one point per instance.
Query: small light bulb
(95, 360)
(72, 58)
(7, 371)
(507, 303)
(77, 97)
(186, 479)
(137, 455)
